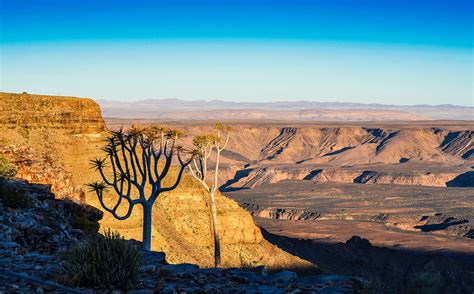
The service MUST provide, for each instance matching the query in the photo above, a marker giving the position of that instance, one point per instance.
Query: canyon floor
(390, 215)
(411, 229)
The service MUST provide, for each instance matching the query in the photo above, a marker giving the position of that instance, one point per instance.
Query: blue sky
(384, 51)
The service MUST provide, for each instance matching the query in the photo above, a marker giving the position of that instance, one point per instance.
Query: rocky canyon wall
(427, 155)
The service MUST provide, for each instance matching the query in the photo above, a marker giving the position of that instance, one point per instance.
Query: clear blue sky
(384, 51)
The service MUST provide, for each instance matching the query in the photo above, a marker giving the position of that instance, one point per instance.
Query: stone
(283, 276)
(153, 257)
(169, 289)
(241, 280)
(269, 289)
(150, 268)
(180, 268)
(358, 242)
(78, 232)
(10, 245)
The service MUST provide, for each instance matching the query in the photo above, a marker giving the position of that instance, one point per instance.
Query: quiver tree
(136, 163)
(204, 146)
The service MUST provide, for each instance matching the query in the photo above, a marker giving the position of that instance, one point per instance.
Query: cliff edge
(52, 139)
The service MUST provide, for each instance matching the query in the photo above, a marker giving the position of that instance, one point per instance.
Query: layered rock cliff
(428, 155)
(348, 144)
(435, 176)
(76, 116)
(52, 139)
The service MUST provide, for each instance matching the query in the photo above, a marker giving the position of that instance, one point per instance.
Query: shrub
(13, 195)
(82, 222)
(107, 261)
(7, 169)
(427, 282)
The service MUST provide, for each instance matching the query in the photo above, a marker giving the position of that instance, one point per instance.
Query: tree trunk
(217, 243)
(147, 212)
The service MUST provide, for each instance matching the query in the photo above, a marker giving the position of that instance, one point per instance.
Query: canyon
(292, 193)
(407, 187)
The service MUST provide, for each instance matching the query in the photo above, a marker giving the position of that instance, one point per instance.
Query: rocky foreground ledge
(36, 228)
(189, 278)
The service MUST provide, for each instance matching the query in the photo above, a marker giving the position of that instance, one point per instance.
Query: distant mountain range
(176, 109)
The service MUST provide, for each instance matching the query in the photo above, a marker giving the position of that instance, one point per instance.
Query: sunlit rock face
(52, 139)
(182, 229)
(76, 116)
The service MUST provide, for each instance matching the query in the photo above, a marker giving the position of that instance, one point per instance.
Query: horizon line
(244, 102)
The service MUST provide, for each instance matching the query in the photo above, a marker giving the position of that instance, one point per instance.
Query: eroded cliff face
(349, 145)
(76, 116)
(386, 154)
(413, 176)
(52, 139)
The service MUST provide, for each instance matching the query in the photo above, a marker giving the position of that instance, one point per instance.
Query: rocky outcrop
(35, 227)
(405, 178)
(40, 169)
(51, 139)
(34, 220)
(260, 175)
(459, 144)
(188, 278)
(280, 213)
(278, 144)
(463, 180)
(451, 225)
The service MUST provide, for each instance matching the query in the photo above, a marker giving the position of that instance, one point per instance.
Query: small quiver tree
(204, 146)
(136, 163)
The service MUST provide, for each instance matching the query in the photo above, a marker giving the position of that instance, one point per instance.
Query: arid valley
(388, 202)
